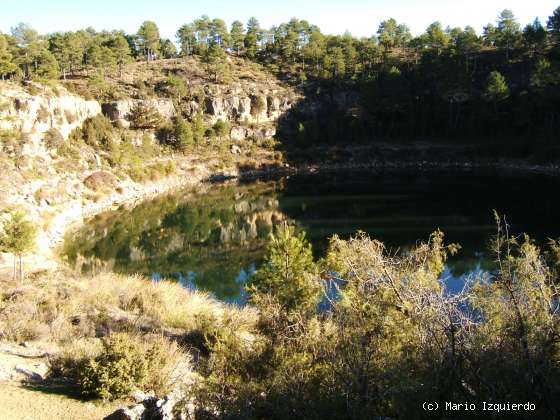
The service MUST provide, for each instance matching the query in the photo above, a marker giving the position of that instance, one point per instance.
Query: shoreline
(75, 212)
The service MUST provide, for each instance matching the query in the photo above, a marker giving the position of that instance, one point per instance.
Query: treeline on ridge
(446, 83)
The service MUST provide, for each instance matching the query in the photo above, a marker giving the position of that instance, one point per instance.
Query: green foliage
(392, 339)
(199, 129)
(144, 116)
(184, 139)
(544, 77)
(438, 94)
(508, 31)
(252, 36)
(18, 234)
(237, 36)
(496, 87)
(168, 49)
(553, 26)
(176, 87)
(186, 37)
(534, 36)
(149, 40)
(221, 128)
(128, 363)
(215, 58)
(121, 51)
(7, 66)
(97, 132)
(101, 59)
(288, 273)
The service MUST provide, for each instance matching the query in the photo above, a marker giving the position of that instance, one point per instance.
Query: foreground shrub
(393, 337)
(127, 363)
(288, 272)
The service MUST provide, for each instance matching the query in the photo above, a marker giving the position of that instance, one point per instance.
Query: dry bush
(53, 139)
(100, 180)
(61, 307)
(43, 114)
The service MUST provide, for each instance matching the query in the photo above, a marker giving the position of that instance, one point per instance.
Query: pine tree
(534, 36)
(202, 31)
(215, 58)
(199, 129)
(543, 77)
(121, 51)
(18, 238)
(186, 37)
(183, 135)
(168, 49)
(46, 65)
(553, 26)
(57, 45)
(508, 31)
(7, 66)
(148, 35)
(237, 36)
(497, 89)
(288, 272)
(387, 33)
(436, 38)
(144, 116)
(252, 37)
(101, 58)
(221, 128)
(219, 33)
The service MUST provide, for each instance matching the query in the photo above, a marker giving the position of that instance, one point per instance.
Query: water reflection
(215, 240)
(212, 242)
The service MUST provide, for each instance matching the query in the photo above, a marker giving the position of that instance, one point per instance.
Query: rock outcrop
(120, 110)
(253, 108)
(174, 406)
(252, 113)
(33, 115)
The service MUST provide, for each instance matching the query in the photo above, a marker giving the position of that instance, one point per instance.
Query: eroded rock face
(33, 115)
(241, 133)
(120, 110)
(234, 106)
(248, 108)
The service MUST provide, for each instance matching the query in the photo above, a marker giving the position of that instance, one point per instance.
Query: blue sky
(360, 17)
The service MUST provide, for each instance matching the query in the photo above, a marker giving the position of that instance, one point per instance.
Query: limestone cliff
(34, 114)
(251, 112)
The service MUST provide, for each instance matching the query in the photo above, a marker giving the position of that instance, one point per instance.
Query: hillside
(70, 149)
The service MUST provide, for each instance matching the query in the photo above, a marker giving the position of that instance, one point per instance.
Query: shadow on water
(216, 239)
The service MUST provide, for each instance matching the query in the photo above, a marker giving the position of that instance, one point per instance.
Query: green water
(215, 239)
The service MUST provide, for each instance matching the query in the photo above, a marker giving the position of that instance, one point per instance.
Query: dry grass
(19, 403)
(62, 307)
(68, 314)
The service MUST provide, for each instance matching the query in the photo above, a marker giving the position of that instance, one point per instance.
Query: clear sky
(360, 17)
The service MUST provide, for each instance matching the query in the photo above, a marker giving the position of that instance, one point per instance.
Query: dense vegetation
(390, 338)
(445, 83)
(360, 333)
